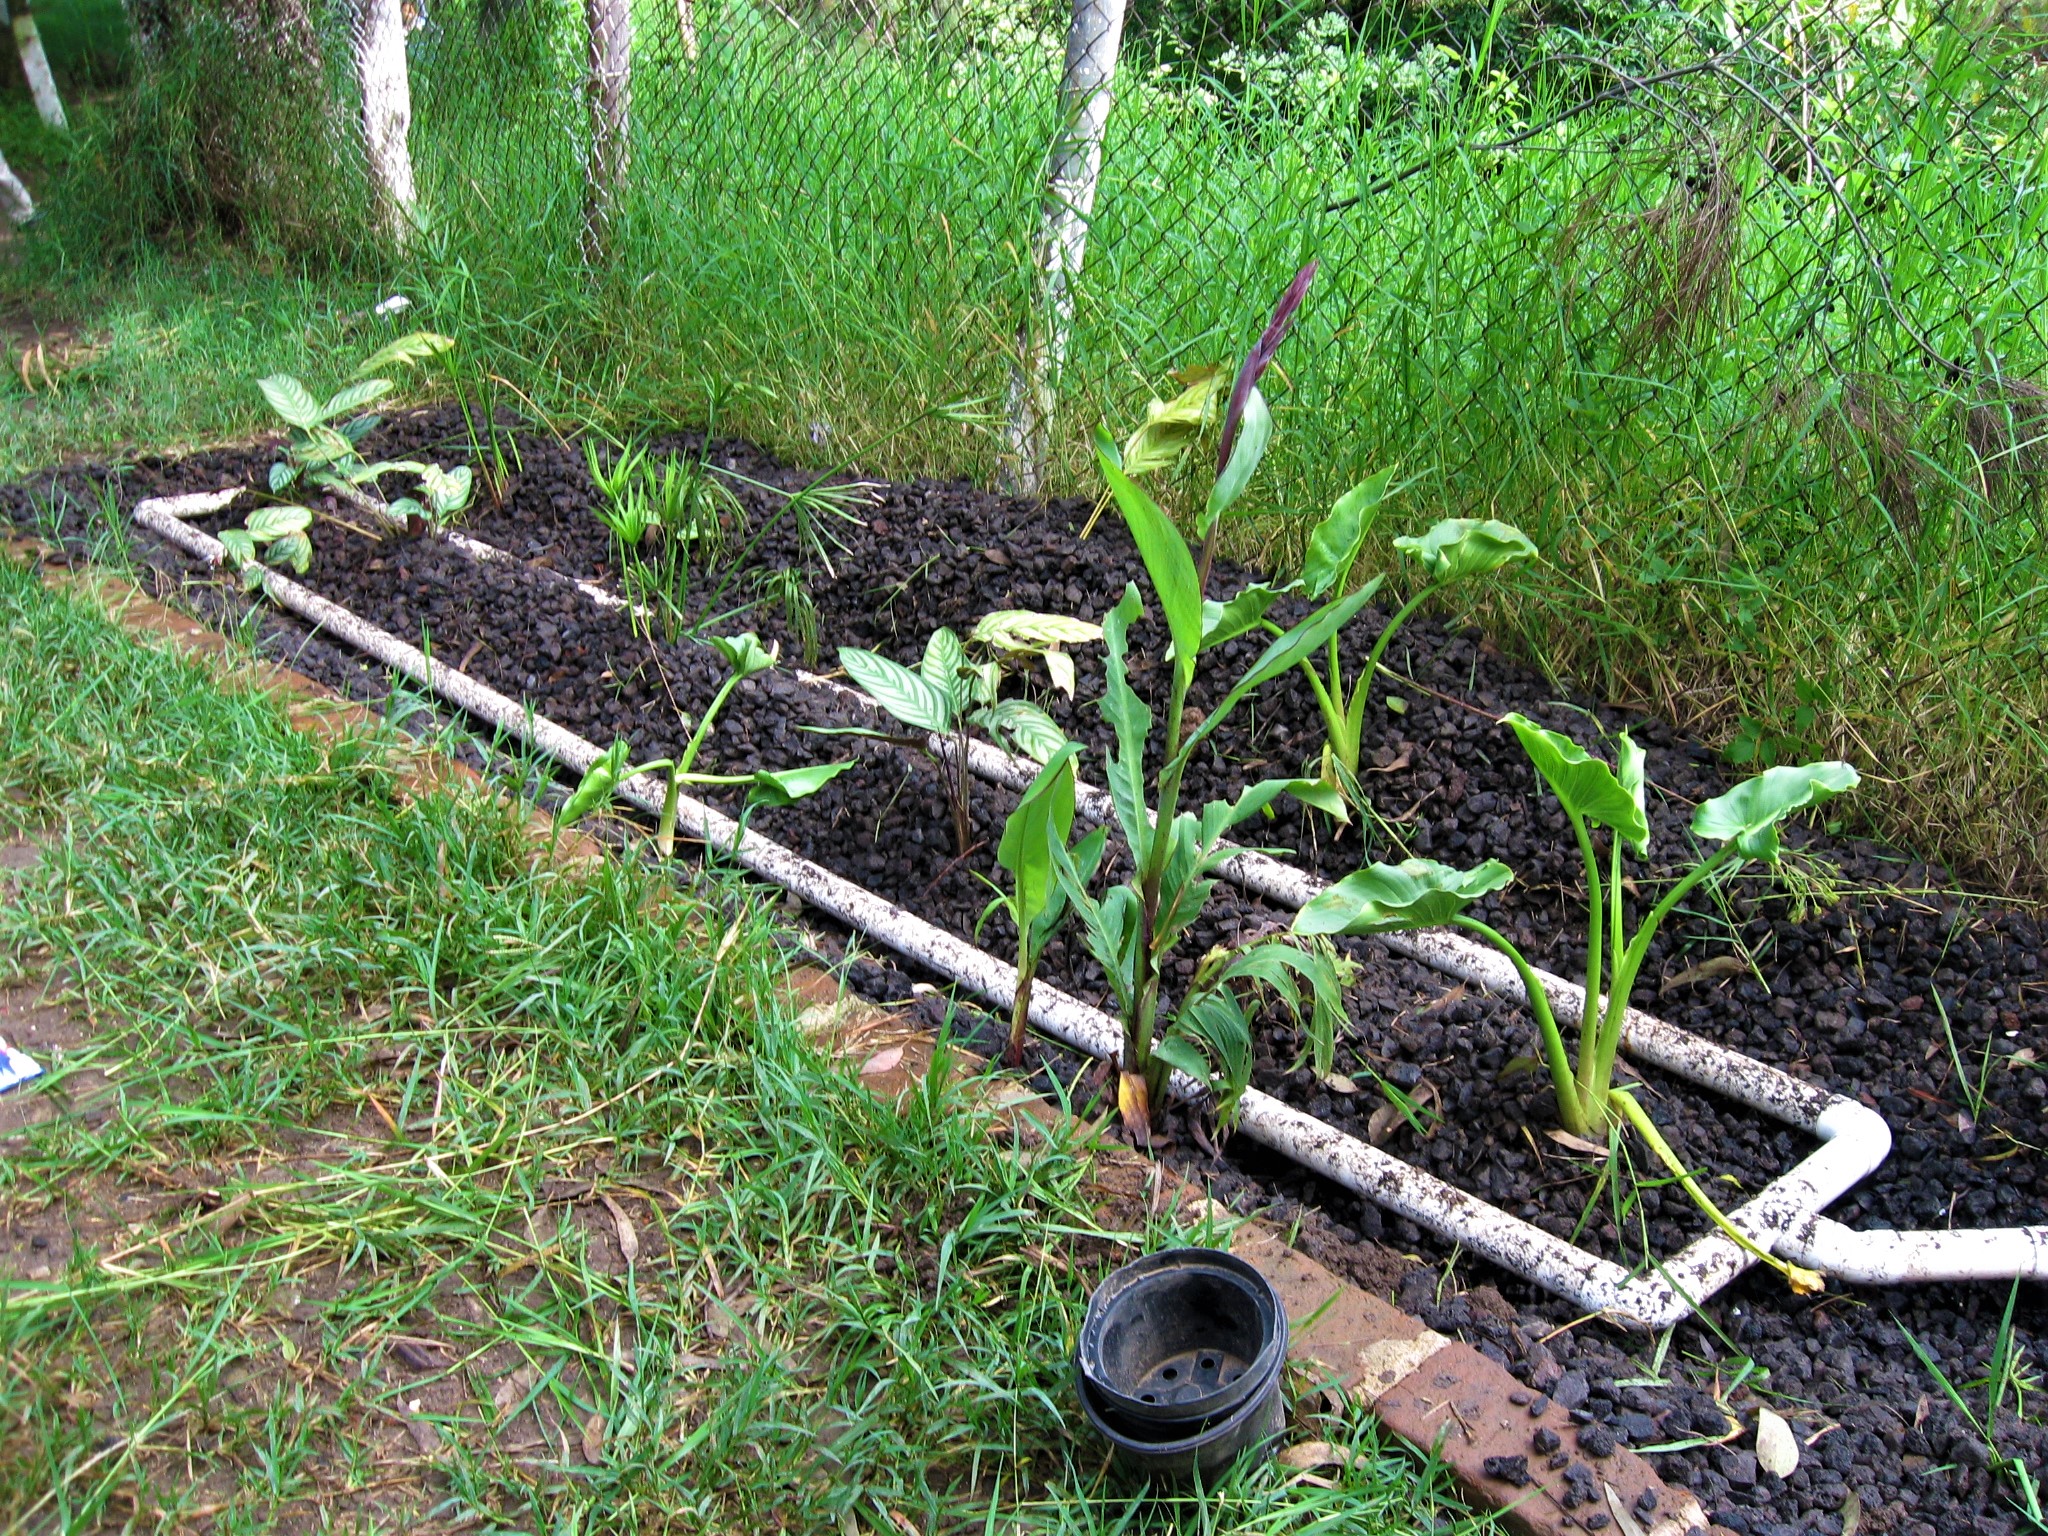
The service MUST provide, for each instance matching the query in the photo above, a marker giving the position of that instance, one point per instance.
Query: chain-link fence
(1737, 309)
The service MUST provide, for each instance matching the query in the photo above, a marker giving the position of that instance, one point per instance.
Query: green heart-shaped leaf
(1748, 815)
(743, 653)
(1466, 546)
(1587, 787)
(1391, 898)
(1334, 545)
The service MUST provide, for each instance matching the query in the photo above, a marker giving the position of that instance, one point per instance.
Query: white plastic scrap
(15, 1067)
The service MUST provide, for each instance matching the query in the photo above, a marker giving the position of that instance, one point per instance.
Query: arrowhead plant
(1452, 550)
(744, 655)
(1596, 798)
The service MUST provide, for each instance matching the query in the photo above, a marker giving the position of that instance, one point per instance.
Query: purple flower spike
(1261, 358)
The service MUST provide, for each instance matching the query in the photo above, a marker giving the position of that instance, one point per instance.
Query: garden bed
(1851, 995)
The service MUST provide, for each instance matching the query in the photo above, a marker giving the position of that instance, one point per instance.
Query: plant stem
(1571, 1110)
(1627, 964)
(1589, 1011)
(1020, 1010)
(665, 834)
(1802, 1280)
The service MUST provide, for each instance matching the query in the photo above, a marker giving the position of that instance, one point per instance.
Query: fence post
(1074, 164)
(14, 199)
(28, 42)
(387, 114)
(611, 104)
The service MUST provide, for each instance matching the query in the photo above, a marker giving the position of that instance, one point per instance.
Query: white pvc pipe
(1894, 1258)
(1784, 1216)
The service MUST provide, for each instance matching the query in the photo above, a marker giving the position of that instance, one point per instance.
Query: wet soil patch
(1852, 993)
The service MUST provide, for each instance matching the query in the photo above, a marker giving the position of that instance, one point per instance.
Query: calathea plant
(744, 655)
(279, 532)
(323, 446)
(1421, 893)
(948, 695)
(1134, 927)
(1034, 840)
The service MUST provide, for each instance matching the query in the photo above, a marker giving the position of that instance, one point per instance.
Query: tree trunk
(14, 199)
(387, 114)
(1094, 38)
(611, 105)
(28, 42)
(686, 23)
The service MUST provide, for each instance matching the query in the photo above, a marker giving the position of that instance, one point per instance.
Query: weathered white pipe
(1784, 1216)
(1894, 1258)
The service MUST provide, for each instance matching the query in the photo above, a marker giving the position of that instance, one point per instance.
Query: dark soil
(1851, 993)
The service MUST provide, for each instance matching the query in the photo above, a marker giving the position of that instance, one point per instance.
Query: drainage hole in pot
(1170, 1373)
(1208, 1362)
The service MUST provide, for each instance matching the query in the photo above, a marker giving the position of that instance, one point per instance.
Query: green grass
(427, 1085)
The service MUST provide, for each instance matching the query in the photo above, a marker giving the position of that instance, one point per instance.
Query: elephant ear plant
(1134, 927)
(744, 655)
(1421, 893)
(1453, 550)
(949, 693)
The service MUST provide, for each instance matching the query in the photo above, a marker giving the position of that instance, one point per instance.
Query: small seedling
(2007, 1377)
(744, 655)
(323, 446)
(1034, 836)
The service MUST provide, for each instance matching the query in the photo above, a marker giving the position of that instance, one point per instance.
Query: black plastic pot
(1179, 1361)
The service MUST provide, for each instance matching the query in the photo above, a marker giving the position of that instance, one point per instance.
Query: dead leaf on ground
(882, 1061)
(1777, 1448)
(1307, 1455)
(1578, 1144)
(511, 1391)
(1625, 1522)
(424, 1434)
(229, 1216)
(722, 1318)
(629, 1240)
(593, 1439)
(1337, 1082)
(1706, 970)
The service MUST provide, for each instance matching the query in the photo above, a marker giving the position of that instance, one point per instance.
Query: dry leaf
(1307, 1455)
(511, 1390)
(1379, 1125)
(882, 1061)
(1852, 1514)
(229, 1216)
(629, 1240)
(1706, 970)
(1337, 1082)
(1777, 1449)
(902, 1523)
(1133, 1102)
(424, 1435)
(1579, 1144)
(1624, 1519)
(593, 1439)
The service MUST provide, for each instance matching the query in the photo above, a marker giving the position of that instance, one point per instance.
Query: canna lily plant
(1422, 893)
(1034, 840)
(745, 656)
(1133, 927)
